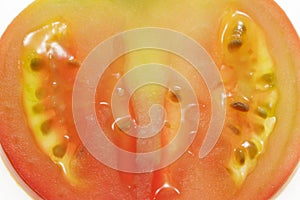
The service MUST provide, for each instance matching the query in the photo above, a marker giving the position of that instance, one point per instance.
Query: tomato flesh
(51, 51)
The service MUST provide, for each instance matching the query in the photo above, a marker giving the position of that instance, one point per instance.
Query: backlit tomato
(241, 156)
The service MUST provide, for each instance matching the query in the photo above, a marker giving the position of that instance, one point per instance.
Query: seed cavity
(48, 67)
(240, 106)
(59, 150)
(37, 64)
(243, 43)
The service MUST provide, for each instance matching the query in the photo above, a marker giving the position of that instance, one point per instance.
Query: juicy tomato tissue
(173, 99)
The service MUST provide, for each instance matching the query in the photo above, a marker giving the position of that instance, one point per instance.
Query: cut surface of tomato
(255, 50)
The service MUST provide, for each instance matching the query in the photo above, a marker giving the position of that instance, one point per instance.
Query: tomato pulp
(245, 154)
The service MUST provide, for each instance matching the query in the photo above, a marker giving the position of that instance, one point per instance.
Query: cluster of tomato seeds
(45, 57)
(252, 99)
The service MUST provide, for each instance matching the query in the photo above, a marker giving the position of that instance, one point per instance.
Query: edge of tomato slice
(284, 163)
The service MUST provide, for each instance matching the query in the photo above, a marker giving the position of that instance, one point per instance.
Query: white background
(10, 190)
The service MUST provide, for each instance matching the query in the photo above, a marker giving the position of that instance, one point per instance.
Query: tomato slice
(37, 123)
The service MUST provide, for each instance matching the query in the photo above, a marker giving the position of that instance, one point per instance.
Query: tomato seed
(46, 126)
(262, 112)
(38, 108)
(36, 64)
(268, 80)
(234, 129)
(59, 150)
(174, 97)
(251, 148)
(240, 28)
(240, 106)
(239, 156)
(235, 44)
(236, 38)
